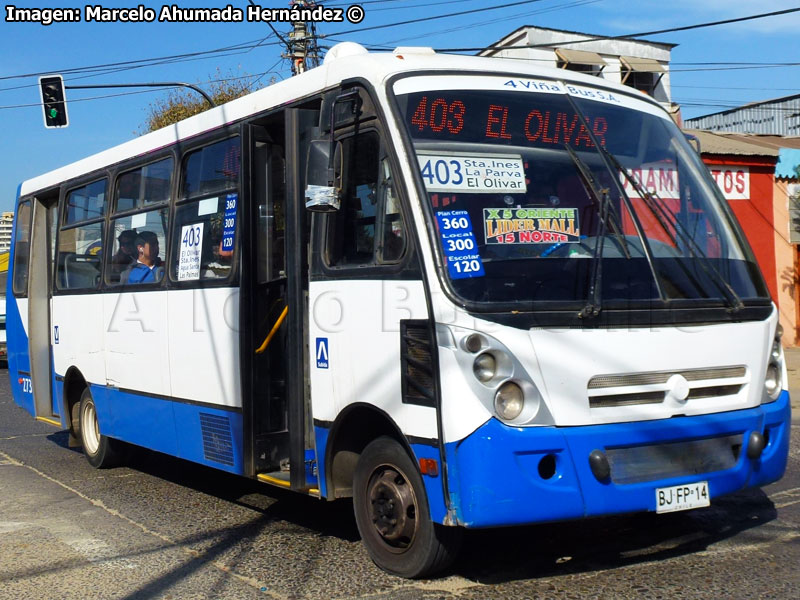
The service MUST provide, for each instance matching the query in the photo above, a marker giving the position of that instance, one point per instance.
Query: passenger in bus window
(127, 253)
(149, 267)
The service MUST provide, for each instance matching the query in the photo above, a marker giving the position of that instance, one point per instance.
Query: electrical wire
(435, 17)
(631, 36)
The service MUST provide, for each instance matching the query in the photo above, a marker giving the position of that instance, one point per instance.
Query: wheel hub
(393, 507)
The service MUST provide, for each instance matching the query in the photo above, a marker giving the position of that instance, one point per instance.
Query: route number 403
(192, 237)
(442, 172)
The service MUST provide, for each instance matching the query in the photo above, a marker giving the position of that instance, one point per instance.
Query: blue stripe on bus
(321, 434)
(494, 477)
(18, 358)
(433, 485)
(201, 434)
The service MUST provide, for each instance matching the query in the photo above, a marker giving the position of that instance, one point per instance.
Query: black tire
(392, 515)
(101, 452)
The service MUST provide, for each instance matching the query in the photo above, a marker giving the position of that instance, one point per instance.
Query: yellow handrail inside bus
(274, 331)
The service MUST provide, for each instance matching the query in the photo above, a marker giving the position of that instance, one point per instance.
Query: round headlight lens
(776, 350)
(484, 367)
(772, 381)
(509, 401)
(779, 331)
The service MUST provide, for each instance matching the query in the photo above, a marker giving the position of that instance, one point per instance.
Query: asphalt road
(164, 528)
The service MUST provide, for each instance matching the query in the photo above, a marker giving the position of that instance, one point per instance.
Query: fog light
(509, 401)
(755, 445)
(484, 367)
(598, 463)
(772, 380)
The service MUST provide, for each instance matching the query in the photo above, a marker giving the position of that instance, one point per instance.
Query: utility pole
(303, 46)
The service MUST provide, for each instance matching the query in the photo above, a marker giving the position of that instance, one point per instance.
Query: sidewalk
(793, 367)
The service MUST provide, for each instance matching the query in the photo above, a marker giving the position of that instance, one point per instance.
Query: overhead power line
(244, 46)
(630, 36)
(435, 17)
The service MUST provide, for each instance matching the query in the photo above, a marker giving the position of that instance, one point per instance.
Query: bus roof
(344, 61)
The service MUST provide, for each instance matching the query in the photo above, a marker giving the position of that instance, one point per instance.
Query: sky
(712, 69)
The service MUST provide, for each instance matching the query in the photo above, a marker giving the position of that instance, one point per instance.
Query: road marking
(793, 496)
(87, 546)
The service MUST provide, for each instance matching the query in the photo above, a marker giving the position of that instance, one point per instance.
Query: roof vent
(344, 49)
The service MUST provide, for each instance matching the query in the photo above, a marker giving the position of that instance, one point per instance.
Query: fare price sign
(458, 241)
(468, 173)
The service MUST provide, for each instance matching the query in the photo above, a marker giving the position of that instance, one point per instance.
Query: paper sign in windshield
(531, 225)
(191, 245)
(458, 241)
(478, 173)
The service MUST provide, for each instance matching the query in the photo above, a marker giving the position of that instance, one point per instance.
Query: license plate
(682, 497)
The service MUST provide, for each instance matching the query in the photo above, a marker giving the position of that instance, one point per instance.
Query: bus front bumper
(501, 475)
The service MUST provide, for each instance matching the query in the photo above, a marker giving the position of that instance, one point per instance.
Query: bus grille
(217, 440)
(629, 389)
(417, 363)
(676, 459)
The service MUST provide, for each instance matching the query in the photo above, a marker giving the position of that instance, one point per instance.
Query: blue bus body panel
(321, 434)
(433, 484)
(19, 362)
(494, 473)
(199, 433)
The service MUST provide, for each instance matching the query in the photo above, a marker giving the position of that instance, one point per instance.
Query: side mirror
(694, 141)
(324, 176)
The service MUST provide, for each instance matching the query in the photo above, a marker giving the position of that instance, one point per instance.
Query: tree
(182, 103)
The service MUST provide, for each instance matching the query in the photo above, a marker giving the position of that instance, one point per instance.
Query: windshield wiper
(605, 210)
(656, 205)
(593, 302)
(601, 198)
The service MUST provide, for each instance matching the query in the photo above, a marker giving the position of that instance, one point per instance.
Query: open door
(45, 210)
(274, 301)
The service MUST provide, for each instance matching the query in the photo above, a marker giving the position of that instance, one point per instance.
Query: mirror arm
(352, 94)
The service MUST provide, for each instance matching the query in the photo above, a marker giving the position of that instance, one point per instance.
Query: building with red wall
(745, 172)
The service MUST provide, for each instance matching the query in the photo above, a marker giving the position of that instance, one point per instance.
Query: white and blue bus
(465, 292)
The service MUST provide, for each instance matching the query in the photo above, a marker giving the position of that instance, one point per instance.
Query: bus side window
(22, 248)
(205, 226)
(369, 228)
(80, 243)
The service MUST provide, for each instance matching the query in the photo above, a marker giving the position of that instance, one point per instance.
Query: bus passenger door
(46, 403)
(264, 341)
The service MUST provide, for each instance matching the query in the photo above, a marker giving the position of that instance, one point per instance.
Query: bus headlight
(484, 367)
(509, 401)
(772, 380)
(776, 350)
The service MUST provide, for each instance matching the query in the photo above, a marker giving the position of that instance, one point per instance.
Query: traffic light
(54, 101)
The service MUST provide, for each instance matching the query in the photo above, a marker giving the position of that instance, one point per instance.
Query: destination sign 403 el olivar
(474, 119)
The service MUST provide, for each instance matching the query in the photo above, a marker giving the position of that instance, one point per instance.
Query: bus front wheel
(391, 511)
(100, 451)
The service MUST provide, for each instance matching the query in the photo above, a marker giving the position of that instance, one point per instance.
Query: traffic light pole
(130, 85)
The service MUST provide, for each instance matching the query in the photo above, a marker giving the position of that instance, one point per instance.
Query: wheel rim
(393, 507)
(90, 430)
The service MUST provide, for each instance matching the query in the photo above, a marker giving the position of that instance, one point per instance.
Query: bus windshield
(541, 192)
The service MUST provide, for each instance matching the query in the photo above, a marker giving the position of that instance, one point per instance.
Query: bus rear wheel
(102, 452)
(391, 511)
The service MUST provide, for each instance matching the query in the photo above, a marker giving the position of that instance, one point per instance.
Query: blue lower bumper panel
(503, 475)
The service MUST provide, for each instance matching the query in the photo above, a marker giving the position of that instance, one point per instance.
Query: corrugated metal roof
(771, 117)
(715, 143)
